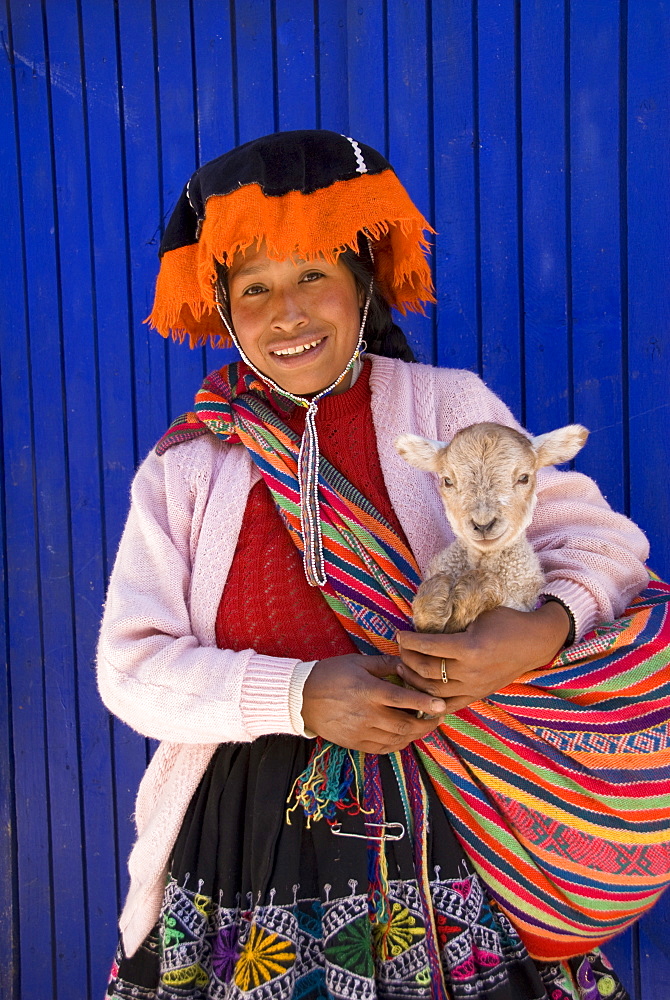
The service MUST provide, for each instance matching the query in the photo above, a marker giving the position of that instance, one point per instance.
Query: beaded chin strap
(308, 457)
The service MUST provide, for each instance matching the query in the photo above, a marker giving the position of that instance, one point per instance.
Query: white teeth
(297, 350)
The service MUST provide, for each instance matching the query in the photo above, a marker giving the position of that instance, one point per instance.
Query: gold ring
(443, 668)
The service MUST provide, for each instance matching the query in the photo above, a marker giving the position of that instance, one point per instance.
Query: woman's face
(296, 321)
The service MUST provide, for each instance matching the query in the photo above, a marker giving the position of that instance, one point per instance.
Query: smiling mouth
(297, 350)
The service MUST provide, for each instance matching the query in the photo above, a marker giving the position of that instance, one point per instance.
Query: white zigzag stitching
(188, 196)
(362, 167)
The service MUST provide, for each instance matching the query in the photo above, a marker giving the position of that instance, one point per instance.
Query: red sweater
(267, 604)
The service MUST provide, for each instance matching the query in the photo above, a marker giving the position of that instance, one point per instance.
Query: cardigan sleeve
(593, 558)
(153, 673)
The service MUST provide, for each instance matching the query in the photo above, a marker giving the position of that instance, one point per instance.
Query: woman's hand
(493, 652)
(345, 700)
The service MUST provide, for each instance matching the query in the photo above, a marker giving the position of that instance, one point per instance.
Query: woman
(273, 545)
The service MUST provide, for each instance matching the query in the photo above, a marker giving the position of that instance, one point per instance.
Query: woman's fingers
(455, 693)
(428, 667)
(495, 650)
(379, 666)
(345, 698)
(390, 736)
(432, 683)
(383, 731)
(377, 741)
(405, 725)
(425, 652)
(430, 643)
(384, 693)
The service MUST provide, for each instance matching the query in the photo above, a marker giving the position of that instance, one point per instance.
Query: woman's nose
(288, 312)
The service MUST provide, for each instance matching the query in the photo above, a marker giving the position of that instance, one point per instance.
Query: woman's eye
(312, 276)
(254, 290)
(523, 479)
(446, 481)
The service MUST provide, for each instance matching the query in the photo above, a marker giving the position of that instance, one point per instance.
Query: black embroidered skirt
(261, 909)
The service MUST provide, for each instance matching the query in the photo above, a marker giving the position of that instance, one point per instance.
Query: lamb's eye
(446, 481)
(523, 479)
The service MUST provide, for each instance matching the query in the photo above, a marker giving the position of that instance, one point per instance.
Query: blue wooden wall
(535, 134)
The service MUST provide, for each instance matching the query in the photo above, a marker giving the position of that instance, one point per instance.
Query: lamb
(487, 476)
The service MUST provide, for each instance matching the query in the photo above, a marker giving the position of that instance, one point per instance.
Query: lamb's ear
(419, 451)
(560, 445)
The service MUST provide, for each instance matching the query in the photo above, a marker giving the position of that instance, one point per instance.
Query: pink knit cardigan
(159, 668)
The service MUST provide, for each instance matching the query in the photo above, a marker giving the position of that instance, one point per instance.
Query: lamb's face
(487, 484)
(487, 477)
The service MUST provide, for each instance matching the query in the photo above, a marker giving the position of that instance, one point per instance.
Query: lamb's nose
(484, 527)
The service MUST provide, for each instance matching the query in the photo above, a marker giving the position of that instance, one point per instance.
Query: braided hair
(382, 335)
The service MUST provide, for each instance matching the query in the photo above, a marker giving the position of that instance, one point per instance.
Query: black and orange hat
(306, 193)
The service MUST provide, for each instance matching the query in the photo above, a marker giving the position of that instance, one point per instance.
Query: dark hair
(382, 335)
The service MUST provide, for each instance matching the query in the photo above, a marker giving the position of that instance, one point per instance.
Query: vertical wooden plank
(332, 72)
(115, 353)
(25, 511)
(15, 451)
(654, 934)
(9, 887)
(95, 922)
(545, 255)
(648, 221)
(216, 90)
(75, 692)
(141, 127)
(409, 129)
(456, 154)
(595, 244)
(622, 953)
(498, 199)
(215, 78)
(647, 127)
(367, 61)
(178, 153)
(110, 238)
(296, 65)
(54, 548)
(257, 110)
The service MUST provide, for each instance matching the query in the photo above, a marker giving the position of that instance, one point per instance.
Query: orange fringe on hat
(321, 224)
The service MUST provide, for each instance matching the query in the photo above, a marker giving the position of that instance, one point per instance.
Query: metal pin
(399, 831)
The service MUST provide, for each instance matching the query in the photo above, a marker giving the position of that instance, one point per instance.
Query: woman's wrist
(557, 627)
(552, 599)
(295, 697)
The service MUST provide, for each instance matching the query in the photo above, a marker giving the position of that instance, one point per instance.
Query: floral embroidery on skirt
(257, 909)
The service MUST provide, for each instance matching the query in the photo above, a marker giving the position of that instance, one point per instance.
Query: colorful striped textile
(558, 786)
(186, 427)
